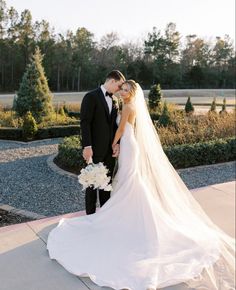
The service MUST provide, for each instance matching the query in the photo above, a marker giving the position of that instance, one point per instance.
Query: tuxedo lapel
(103, 100)
(114, 111)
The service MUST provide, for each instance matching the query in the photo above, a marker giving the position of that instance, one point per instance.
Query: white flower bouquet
(95, 175)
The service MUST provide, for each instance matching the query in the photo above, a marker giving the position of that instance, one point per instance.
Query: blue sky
(134, 19)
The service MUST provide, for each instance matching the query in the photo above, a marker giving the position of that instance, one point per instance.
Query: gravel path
(207, 175)
(26, 181)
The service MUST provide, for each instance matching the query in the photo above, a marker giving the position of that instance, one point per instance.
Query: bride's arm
(124, 118)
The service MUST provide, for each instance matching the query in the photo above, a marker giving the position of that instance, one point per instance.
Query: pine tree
(165, 118)
(29, 127)
(65, 108)
(62, 112)
(189, 106)
(34, 94)
(154, 97)
(213, 106)
(223, 110)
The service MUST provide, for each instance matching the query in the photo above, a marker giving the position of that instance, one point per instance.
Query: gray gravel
(26, 181)
(200, 176)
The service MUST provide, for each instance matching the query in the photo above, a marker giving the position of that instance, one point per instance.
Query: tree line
(75, 61)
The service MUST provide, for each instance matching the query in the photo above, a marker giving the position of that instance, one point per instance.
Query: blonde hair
(132, 87)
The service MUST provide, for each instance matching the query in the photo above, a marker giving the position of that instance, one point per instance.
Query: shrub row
(11, 133)
(73, 114)
(57, 118)
(181, 156)
(197, 129)
(42, 133)
(211, 152)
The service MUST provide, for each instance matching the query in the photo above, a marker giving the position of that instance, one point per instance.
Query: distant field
(198, 97)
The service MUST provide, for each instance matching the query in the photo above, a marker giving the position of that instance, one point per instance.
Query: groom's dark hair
(116, 75)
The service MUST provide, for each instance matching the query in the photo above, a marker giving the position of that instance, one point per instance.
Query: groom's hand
(116, 150)
(87, 153)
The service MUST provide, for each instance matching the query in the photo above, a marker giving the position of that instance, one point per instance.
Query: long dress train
(131, 243)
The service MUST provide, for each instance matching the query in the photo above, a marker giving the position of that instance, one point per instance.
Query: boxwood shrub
(11, 133)
(188, 155)
(70, 154)
(181, 156)
(42, 133)
(74, 114)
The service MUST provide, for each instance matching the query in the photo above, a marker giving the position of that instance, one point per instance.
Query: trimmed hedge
(11, 133)
(211, 152)
(70, 155)
(181, 156)
(42, 133)
(59, 131)
(73, 114)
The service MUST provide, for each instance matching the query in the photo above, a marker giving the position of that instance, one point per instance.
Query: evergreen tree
(223, 110)
(61, 111)
(165, 118)
(213, 106)
(154, 97)
(29, 127)
(76, 61)
(189, 106)
(65, 109)
(34, 94)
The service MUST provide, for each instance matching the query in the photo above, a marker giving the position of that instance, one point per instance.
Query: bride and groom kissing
(98, 128)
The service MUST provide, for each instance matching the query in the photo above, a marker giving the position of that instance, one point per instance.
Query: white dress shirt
(107, 98)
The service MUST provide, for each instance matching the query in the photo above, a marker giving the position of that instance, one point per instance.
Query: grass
(193, 129)
(73, 107)
(184, 129)
(10, 119)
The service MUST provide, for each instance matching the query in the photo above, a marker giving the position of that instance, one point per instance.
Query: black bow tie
(108, 94)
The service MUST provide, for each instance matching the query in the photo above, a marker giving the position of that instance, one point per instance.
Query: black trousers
(91, 194)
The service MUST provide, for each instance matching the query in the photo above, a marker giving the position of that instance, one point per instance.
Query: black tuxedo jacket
(98, 126)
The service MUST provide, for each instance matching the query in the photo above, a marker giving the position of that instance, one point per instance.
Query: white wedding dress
(131, 242)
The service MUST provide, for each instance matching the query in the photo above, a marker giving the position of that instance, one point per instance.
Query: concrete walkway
(24, 261)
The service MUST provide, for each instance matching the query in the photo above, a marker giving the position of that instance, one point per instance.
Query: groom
(98, 126)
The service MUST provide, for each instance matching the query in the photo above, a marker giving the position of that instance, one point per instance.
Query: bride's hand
(116, 150)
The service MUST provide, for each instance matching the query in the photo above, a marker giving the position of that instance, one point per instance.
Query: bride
(151, 233)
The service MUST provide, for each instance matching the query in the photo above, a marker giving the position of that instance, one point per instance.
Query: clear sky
(134, 19)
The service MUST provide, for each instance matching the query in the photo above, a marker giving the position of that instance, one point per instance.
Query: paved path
(24, 260)
(27, 182)
(198, 96)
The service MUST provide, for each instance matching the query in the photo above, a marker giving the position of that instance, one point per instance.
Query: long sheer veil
(179, 206)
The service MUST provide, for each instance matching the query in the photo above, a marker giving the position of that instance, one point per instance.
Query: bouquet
(95, 175)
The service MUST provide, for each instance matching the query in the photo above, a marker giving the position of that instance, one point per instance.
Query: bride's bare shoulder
(129, 108)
